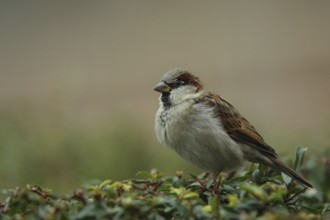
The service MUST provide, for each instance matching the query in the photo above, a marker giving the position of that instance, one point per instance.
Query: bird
(206, 130)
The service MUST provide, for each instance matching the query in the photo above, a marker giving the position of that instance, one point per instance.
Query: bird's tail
(288, 171)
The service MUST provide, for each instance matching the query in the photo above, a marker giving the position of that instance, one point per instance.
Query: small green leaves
(183, 193)
(153, 175)
(151, 195)
(255, 191)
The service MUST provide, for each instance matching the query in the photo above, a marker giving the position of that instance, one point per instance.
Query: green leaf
(144, 174)
(300, 154)
(233, 200)
(207, 208)
(178, 191)
(191, 195)
(287, 179)
(256, 177)
(215, 206)
(105, 183)
(256, 191)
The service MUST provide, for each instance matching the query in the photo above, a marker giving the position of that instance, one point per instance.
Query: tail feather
(288, 171)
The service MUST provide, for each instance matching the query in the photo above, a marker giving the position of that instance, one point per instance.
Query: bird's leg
(202, 181)
(218, 181)
(215, 177)
(230, 175)
(216, 184)
(206, 175)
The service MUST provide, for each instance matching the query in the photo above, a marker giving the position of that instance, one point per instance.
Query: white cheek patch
(183, 94)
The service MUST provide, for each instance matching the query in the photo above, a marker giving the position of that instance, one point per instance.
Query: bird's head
(177, 85)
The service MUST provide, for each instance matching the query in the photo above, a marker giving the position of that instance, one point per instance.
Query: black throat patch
(166, 100)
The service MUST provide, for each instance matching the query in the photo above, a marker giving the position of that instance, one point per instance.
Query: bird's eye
(177, 84)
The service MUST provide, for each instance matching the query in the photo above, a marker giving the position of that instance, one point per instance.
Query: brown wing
(237, 126)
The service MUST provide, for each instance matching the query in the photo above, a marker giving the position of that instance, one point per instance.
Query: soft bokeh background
(76, 79)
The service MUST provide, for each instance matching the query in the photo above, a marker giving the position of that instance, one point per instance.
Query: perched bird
(206, 130)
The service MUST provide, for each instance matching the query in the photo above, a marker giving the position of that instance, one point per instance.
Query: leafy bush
(255, 194)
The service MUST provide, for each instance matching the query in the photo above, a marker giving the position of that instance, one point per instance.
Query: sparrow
(206, 130)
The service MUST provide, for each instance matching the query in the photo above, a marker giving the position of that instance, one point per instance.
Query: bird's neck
(165, 97)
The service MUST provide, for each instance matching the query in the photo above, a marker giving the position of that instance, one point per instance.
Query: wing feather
(237, 126)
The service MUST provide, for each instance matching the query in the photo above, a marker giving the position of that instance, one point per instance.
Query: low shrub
(257, 193)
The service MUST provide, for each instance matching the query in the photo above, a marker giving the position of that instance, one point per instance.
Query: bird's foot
(216, 186)
(202, 181)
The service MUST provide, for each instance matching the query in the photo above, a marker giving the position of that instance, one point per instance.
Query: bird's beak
(162, 87)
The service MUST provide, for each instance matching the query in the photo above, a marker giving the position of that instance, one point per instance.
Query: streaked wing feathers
(237, 126)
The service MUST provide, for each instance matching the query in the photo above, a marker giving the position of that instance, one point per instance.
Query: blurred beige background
(76, 79)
